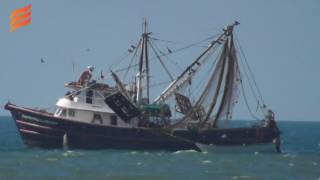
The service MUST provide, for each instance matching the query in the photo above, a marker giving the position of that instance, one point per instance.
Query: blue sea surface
(299, 160)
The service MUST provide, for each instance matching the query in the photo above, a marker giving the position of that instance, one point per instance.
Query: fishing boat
(191, 110)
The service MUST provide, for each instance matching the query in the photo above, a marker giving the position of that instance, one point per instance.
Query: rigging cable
(161, 62)
(173, 42)
(173, 52)
(208, 71)
(193, 44)
(174, 63)
(245, 98)
(118, 60)
(132, 58)
(250, 71)
(249, 80)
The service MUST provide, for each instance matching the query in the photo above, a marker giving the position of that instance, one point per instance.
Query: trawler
(191, 110)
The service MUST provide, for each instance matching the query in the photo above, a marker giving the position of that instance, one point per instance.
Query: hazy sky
(280, 39)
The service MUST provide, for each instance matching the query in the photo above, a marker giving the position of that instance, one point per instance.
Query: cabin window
(97, 117)
(64, 112)
(58, 111)
(114, 120)
(71, 113)
(89, 96)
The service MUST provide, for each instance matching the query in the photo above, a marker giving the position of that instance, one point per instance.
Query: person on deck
(271, 122)
(86, 76)
(270, 119)
(270, 115)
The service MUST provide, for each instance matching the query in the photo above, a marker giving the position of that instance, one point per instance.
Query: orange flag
(20, 17)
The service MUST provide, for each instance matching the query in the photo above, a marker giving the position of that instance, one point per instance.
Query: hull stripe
(24, 131)
(38, 126)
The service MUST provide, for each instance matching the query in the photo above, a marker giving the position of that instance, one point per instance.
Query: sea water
(299, 160)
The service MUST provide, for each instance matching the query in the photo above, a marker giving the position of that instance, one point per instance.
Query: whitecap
(185, 151)
(68, 153)
(289, 156)
(72, 153)
(133, 152)
(285, 155)
(204, 152)
(206, 161)
(191, 151)
(256, 153)
(177, 152)
(291, 164)
(139, 163)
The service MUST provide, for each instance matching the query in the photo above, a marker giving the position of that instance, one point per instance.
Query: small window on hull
(97, 117)
(114, 120)
(71, 113)
(89, 96)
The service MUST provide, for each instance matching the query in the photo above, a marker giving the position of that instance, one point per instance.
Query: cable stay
(251, 80)
(161, 62)
(174, 51)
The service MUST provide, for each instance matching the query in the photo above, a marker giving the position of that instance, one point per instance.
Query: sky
(280, 40)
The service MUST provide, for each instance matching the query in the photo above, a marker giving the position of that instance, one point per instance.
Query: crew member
(270, 119)
(271, 123)
(270, 115)
(86, 76)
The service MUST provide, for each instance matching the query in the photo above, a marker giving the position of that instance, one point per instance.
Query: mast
(228, 86)
(144, 65)
(139, 75)
(227, 101)
(146, 39)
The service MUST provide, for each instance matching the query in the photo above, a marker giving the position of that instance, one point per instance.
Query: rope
(173, 52)
(132, 58)
(207, 72)
(174, 63)
(118, 61)
(172, 42)
(245, 97)
(247, 104)
(161, 62)
(250, 71)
